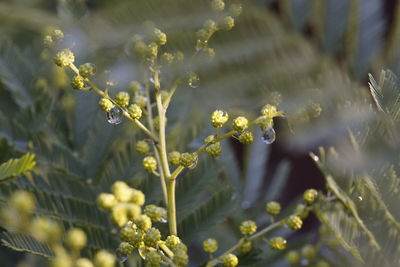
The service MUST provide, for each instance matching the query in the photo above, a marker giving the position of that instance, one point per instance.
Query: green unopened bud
(128, 232)
(180, 258)
(76, 239)
(273, 208)
(245, 247)
(209, 139)
(125, 248)
(151, 237)
(83, 262)
(153, 258)
(214, 150)
(173, 157)
(219, 118)
(135, 111)
(248, 227)
(167, 58)
(240, 124)
(87, 70)
(210, 245)
(277, 243)
(48, 41)
(293, 257)
(228, 23)
(140, 100)
(104, 259)
(229, 260)
(246, 138)
(78, 82)
(172, 241)
(143, 222)
(269, 111)
(151, 52)
(310, 196)
(217, 5)
(150, 164)
(294, 222)
(179, 56)
(64, 58)
(106, 201)
(202, 35)
(210, 26)
(308, 252)
(159, 37)
(135, 86)
(187, 159)
(57, 34)
(155, 213)
(142, 147)
(122, 99)
(235, 10)
(106, 105)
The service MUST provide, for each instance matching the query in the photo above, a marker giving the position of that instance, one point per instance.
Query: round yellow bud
(76, 239)
(104, 259)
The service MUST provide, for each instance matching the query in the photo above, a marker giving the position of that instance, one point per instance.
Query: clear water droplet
(359, 198)
(151, 80)
(121, 257)
(269, 136)
(163, 220)
(114, 116)
(315, 157)
(194, 80)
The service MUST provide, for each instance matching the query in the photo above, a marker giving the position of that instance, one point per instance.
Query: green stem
(171, 207)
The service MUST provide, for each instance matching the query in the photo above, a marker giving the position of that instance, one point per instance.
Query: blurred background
(311, 58)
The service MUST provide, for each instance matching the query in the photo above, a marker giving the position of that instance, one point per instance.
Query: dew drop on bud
(114, 116)
(194, 80)
(163, 220)
(268, 136)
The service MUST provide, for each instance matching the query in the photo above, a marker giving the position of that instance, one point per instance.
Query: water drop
(121, 257)
(163, 220)
(151, 80)
(268, 136)
(315, 157)
(359, 198)
(114, 116)
(194, 80)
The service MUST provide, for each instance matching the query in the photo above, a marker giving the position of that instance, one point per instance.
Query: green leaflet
(16, 167)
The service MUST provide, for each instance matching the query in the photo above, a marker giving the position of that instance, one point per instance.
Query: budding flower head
(240, 124)
(187, 159)
(167, 58)
(228, 23)
(172, 241)
(135, 86)
(135, 111)
(245, 247)
(78, 82)
(210, 245)
(214, 150)
(150, 164)
(180, 258)
(143, 222)
(142, 147)
(106, 201)
(128, 232)
(269, 111)
(106, 104)
(122, 99)
(151, 237)
(23, 202)
(159, 37)
(140, 100)
(121, 190)
(248, 227)
(173, 157)
(46, 230)
(293, 257)
(310, 196)
(76, 239)
(83, 262)
(87, 70)
(155, 213)
(277, 243)
(273, 208)
(151, 52)
(219, 118)
(210, 26)
(153, 258)
(64, 58)
(104, 259)
(217, 5)
(209, 139)
(125, 248)
(308, 252)
(294, 222)
(119, 214)
(246, 138)
(229, 260)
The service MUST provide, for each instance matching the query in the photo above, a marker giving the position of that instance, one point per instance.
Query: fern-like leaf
(15, 167)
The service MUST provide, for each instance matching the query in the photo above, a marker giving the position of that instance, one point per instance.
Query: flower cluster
(19, 215)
